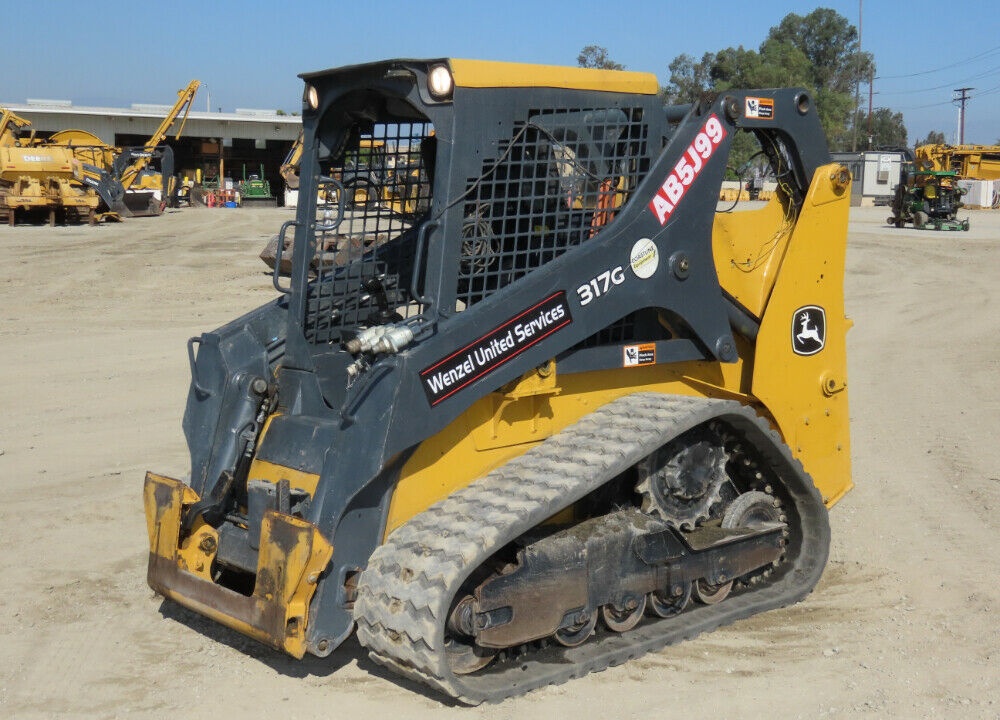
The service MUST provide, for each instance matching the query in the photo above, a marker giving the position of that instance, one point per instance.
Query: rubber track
(407, 589)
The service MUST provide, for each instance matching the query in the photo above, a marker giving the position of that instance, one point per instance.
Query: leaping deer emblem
(808, 332)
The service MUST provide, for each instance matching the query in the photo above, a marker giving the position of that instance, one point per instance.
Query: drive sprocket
(681, 482)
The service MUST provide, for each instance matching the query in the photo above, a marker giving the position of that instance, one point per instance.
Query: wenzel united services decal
(481, 357)
(690, 165)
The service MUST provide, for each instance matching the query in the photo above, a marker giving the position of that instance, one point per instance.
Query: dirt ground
(905, 622)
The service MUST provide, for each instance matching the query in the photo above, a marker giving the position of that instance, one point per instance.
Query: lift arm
(290, 168)
(185, 98)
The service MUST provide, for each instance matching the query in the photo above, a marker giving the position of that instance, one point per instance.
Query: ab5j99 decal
(481, 357)
(690, 165)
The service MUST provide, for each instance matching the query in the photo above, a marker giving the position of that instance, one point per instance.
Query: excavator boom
(141, 159)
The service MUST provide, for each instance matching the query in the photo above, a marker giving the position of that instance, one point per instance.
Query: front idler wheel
(464, 655)
(466, 658)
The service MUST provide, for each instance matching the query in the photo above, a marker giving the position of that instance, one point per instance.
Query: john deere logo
(808, 330)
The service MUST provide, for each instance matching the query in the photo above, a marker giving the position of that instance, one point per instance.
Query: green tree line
(819, 51)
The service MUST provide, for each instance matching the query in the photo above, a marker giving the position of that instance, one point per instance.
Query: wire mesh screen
(560, 178)
(364, 263)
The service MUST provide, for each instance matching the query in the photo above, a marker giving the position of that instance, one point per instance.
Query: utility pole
(961, 100)
(857, 82)
(871, 92)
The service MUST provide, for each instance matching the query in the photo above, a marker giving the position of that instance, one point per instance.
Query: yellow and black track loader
(554, 411)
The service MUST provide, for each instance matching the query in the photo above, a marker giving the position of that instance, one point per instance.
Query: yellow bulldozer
(563, 413)
(39, 180)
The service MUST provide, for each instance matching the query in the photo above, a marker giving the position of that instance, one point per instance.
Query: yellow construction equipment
(119, 174)
(289, 169)
(42, 179)
(12, 126)
(971, 162)
(551, 411)
(131, 176)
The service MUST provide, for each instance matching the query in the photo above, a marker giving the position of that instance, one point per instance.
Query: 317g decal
(600, 285)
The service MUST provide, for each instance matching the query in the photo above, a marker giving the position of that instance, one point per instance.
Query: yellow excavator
(39, 179)
(289, 169)
(121, 176)
(378, 176)
(381, 176)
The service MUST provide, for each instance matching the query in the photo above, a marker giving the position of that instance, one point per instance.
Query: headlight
(440, 82)
(312, 97)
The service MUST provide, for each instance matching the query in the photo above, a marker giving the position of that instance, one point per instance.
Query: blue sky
(249, 53)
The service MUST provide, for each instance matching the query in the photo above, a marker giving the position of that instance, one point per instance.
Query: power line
(944, 67)
(988, 91)
(921, 107)
(986, 73)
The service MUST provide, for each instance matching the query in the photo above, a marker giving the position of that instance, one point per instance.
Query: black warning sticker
(481, 357)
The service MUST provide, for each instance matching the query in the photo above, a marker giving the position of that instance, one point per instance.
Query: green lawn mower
(930, 199)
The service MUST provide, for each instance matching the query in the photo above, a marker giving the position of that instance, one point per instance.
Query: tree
(733, 67)
(688, 79)
(595, 56)
(818, 51)
(777, 64)
(886, 129)
(782, 65)
(830, 43)
(934, 137)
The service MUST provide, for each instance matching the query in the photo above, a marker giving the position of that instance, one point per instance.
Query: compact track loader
(561, 413)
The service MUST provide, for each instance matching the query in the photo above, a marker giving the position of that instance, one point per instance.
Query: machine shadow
(309, 666)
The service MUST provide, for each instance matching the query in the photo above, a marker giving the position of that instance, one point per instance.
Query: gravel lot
(905, 623)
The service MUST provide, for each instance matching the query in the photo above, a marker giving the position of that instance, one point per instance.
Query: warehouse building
(240, 142)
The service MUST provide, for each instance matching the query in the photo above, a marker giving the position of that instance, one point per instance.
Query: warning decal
(760, 108)
(636, 355)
